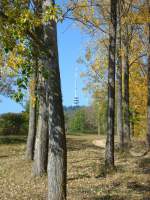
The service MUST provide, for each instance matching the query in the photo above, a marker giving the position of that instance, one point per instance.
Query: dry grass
(130, 181)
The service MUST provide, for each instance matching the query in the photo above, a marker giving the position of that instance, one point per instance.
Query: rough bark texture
(132, 129)
(99, 123)
(148, 82)
(57, 158)
(41, 144)
(119, 106)
(119, 82)
(32, 126)
(109, 154)
(57, 142)
(126, 88)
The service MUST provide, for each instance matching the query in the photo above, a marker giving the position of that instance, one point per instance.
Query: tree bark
(41, 144)
(57, 163)
(99, 121)
(109, 153)
(148, 83)
(57, 156)
(126, 88)
(119, 82)
(132, 130)
(32, 123)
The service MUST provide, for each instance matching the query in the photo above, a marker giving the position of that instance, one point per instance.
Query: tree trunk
(119, 106)
(41, 144)
(148, 82)
(32, 122)
(132, 125)
(119, 82)
(57, 158)
(57, 163)
(99, 122)
(126, 88)
(109, 153)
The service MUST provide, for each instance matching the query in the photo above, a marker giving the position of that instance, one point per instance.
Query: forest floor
(86, 175)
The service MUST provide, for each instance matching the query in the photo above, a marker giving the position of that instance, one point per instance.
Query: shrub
(80, 120)
(14, 123)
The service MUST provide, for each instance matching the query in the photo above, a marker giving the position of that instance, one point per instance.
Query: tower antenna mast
(76, 98)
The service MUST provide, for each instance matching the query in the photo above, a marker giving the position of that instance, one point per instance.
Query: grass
(130, 180)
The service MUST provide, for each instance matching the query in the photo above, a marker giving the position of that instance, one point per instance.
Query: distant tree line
(14, 123)
(83, 119)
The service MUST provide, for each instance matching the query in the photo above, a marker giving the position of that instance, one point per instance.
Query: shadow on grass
(12, 139)
(146, 198)
(77, 144)
(82, 160)
(109, 197)
(4, 156)
(138, 187)
(80, 133)
(80, 176)
(144, 164)
(103, 172)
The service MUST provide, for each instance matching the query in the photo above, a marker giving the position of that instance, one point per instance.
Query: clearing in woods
(86, 176)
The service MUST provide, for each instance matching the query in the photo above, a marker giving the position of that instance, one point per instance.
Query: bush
(77, 122)
(80, 120)
(14, 123)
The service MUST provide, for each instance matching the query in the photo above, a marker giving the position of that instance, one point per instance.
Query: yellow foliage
(32, 92)
(141, 17)
(138, 98)
(14, 61)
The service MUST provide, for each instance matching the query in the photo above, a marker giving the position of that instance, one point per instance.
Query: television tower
(76, 98)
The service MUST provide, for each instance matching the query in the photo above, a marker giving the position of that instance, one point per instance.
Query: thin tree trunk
(41, 144)
(119, 106)
(32, 121)
(126, 88)
(109, 153)
(99, 122)
(148, 82)
(132, 125)
(119, 82)
(57, 158)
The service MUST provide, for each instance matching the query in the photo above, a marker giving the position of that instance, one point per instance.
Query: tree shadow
(138, 187)
(119, 168)
(109, 197)
(80, 144)
(82, 160)
(144, 164)
(4, 156)
(146, 198)
(80, 133)
(80, 176)
(12, 140)
(103, 172)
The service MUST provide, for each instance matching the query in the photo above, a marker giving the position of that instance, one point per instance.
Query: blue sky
(71, 43)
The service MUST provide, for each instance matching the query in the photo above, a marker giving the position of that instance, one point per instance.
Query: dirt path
(99, 143)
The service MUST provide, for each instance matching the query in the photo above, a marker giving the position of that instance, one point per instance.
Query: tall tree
(41, 142)
(32, 118)
(126, 84)
(148, 79)
(119, 82)
(109, 153)
(57, 158)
